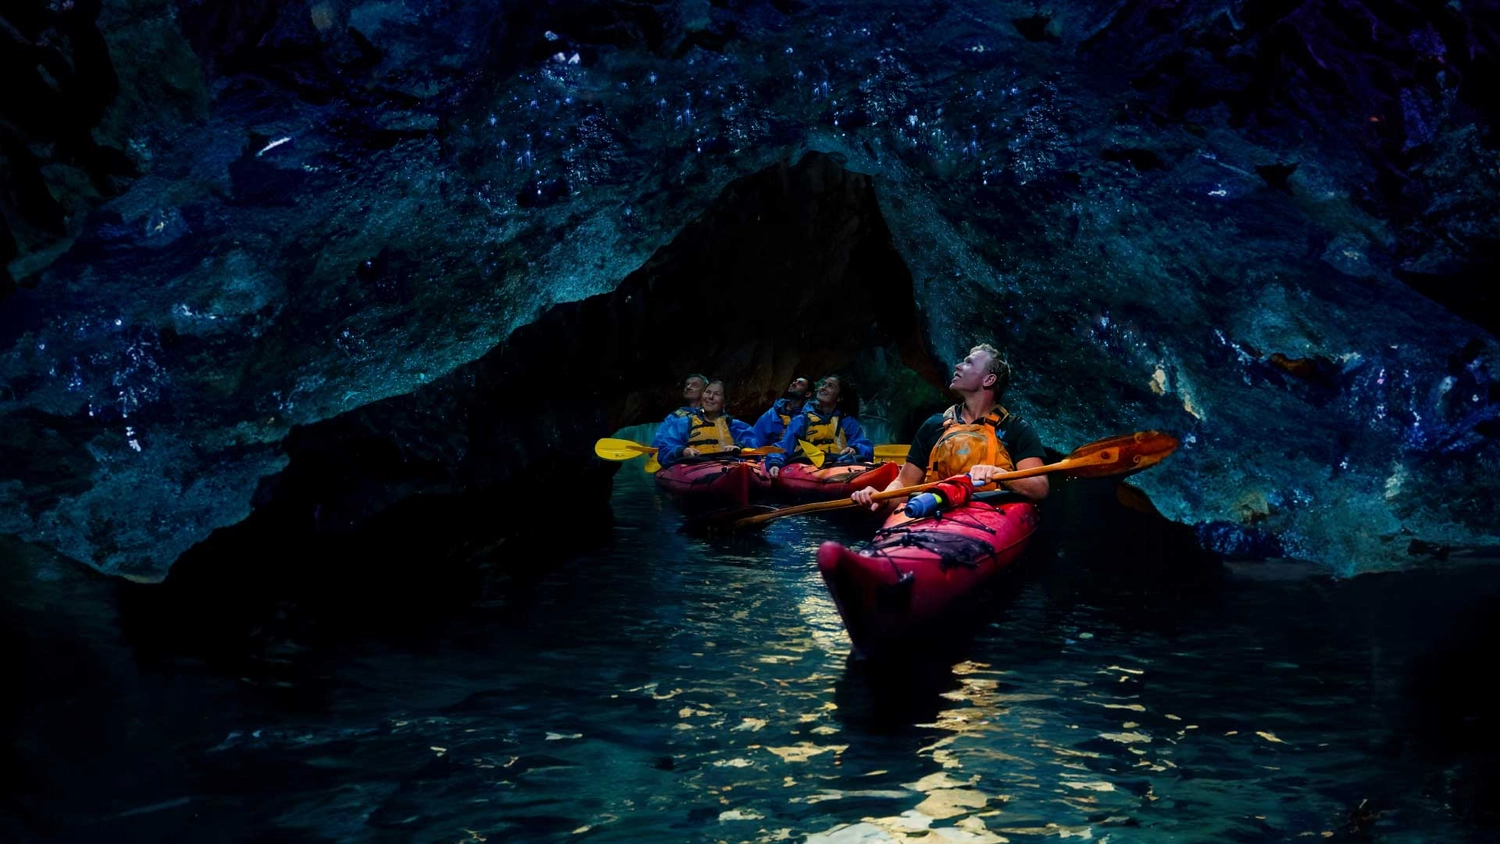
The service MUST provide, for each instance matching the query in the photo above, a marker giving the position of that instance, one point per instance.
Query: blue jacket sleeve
(671, 438)
(789, 446)
(854, 434)
(768, 427)
(744, 435)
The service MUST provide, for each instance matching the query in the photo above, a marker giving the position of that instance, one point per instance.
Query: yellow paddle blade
(610, 448)
(891, 452)
(813, 453)
(652, 467)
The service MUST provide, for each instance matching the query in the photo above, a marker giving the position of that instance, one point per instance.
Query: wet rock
(1036, 28)
(1277, 175)
(1122, 235)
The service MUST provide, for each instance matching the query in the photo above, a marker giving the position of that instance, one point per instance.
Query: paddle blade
(1124, 454)
(610, 448)
(652, 466)
(813, 453)
(891, 452)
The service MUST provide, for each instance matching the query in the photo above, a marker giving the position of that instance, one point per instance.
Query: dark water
(671, 688)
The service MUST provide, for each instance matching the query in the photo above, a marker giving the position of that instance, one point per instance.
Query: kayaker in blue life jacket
(771, 425)
(828, 422)
(706, 431)
(692, 399)
(976, 436)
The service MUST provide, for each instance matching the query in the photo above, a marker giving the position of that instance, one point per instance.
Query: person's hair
(848, 401)
(999, 367)
(703, 378)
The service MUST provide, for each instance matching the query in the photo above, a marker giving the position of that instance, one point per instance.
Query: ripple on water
(666, 687)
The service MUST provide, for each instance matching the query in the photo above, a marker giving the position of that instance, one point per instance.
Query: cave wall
(1264, 225)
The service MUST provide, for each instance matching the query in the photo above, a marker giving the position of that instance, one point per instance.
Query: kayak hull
(805, 481)
(760, 479)
(919, 576)
(707, 484)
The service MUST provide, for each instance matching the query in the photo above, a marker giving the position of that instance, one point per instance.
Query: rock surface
(245, 232)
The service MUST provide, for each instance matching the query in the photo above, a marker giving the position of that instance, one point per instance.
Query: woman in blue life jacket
(771, 426)
(828, 422)
(976, 436)
(705, 432)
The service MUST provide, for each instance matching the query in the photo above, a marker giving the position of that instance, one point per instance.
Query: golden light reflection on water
(1000, 775)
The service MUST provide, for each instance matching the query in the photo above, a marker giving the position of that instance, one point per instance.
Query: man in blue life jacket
(976, 436)
(828, 422)
(771, 425)
(692, 397)
(705, 432)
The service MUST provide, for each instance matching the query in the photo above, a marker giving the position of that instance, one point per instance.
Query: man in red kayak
(976, 436)
(705, 431)
(828, 422)
(771, 425)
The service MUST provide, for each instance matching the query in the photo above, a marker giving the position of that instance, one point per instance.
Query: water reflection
(671, 687)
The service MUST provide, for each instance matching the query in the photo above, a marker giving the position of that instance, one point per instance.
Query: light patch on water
(933, 782)
(1127, 738)
(806, 750)
(1092, 785)
(859, 833)
(1068, 751)
(952, 802)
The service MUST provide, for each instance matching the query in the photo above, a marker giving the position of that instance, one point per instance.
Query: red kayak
(760, 479)
(803, 480)
(916, 572)
(708, 484)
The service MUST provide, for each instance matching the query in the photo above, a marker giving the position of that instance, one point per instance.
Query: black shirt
(1015, 433)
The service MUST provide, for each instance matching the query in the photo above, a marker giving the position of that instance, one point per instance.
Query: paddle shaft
(753, 452)
(1098, 458)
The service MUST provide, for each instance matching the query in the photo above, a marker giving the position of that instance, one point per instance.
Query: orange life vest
(964, 445)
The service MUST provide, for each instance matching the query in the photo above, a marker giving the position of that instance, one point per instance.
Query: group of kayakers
(701, 427)
(977, 436)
